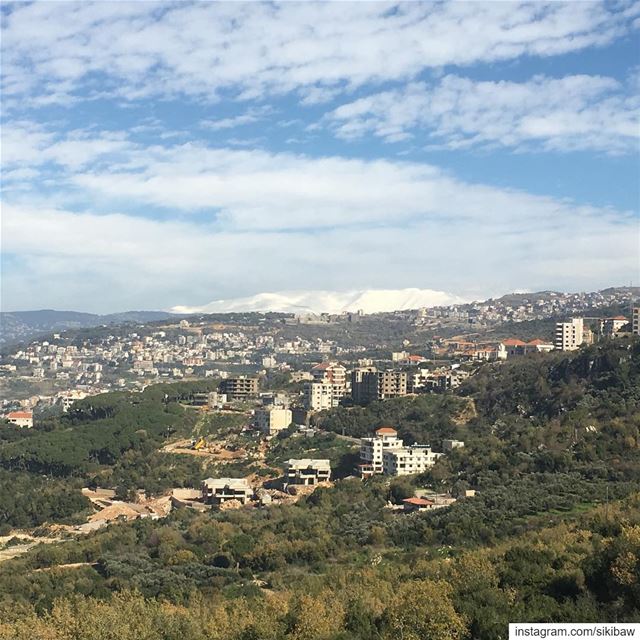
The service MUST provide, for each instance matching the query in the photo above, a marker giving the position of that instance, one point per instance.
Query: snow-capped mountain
(300, 302)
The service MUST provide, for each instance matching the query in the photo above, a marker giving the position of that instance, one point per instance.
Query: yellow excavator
(201, 443)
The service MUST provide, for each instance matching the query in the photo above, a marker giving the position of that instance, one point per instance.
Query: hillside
(16, 326)
(553, 532)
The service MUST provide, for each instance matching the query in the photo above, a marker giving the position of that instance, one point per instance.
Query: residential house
(307, 471)
(217, 491)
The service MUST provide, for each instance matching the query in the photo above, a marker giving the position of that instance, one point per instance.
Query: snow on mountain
(300, 302)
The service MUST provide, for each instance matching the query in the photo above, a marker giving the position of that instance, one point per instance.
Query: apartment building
(318, 396)
(372, 450)
(307, 471)
(217, 491)
(406, 461)
(569, 335)
(239, 388)
(369, 386)
(635, 323)
(328, 386)
(611, 326)
(272, 420)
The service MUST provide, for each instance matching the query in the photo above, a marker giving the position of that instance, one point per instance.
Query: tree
(423, 610)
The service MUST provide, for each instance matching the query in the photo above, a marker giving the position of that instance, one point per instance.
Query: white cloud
(559, 114)
(250, 116)
(29, 144)
(283, 221)
(51, 51)
(100, 263)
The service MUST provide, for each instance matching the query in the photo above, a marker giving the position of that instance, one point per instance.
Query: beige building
(611, 326)
(570, 335)
(272, 420)
(219, 490)
(318, 396)
(307, 471)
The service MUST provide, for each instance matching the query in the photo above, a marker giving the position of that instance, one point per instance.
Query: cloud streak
(572, 113)
(71, 51)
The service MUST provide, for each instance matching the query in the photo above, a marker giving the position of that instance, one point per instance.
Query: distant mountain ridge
(24, 325)
(301, 302)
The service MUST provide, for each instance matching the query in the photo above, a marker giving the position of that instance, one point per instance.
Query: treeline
(98, 431)
(107, 440)
(424, 419)
(28, 501)
(586, 571)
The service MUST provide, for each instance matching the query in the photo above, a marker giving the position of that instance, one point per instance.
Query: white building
(328, 387)
(272, 420)
(569, 335)
(307, 471)
(21, 418)
(636, 321)
(372, 450)
(406, 461)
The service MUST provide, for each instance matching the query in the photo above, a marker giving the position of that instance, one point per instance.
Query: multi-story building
(611, 326)
(635, 324)
(406, 461)
(239, 388)
(369, 386)
(219, 490)
(334, 374)
(357, 387)
(272, 420)
(372, 450)
(569, 335)
(318, 396)
(307, 471)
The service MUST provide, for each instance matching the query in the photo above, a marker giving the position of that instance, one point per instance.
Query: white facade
(273, 420)
(569, 335)
(333, 377)
(318, 396)
(372, 449)
(636, 321)
(408, 460)
(21, 418)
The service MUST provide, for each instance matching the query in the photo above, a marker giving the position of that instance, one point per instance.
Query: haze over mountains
(369, 301)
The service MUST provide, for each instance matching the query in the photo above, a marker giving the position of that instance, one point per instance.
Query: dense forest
(552, 534)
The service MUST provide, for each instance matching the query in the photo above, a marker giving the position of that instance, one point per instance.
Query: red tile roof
(18, 415)
(386, 430)
(418, 502)
(512, 342)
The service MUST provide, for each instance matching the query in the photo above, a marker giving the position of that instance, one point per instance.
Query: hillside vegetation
(553, 533)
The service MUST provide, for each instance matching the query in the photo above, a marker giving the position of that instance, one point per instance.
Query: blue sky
(161, 154)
